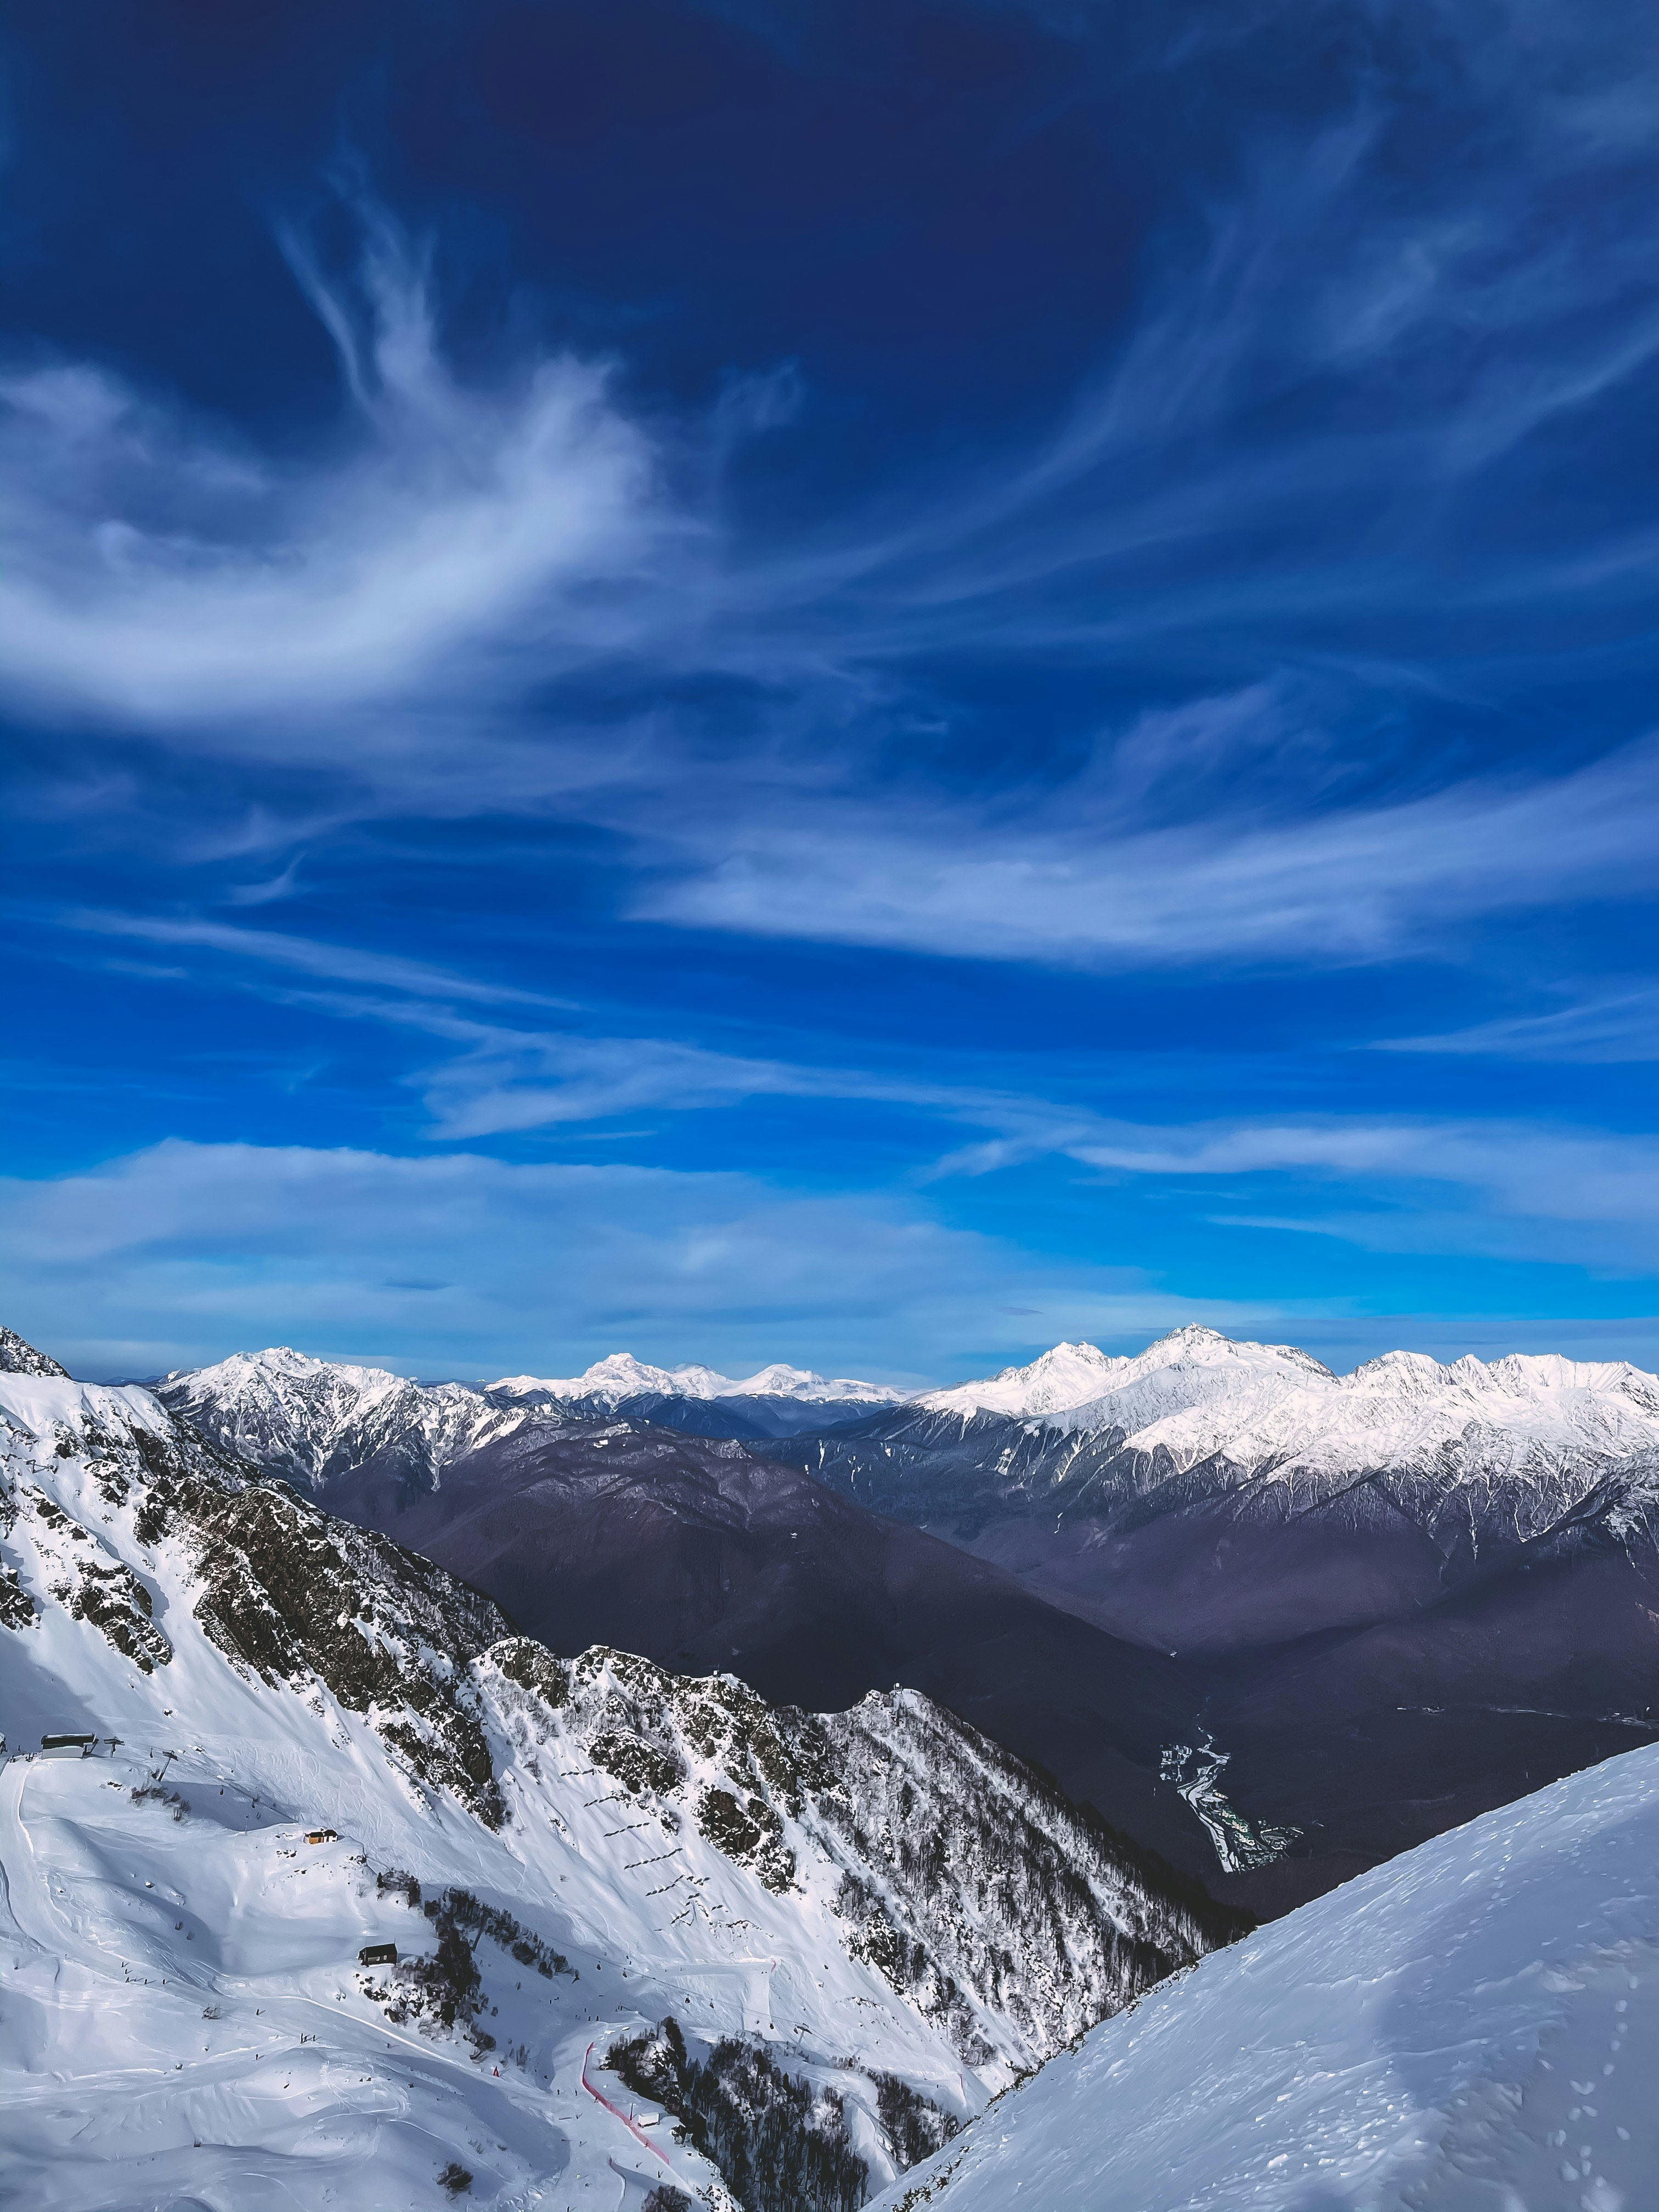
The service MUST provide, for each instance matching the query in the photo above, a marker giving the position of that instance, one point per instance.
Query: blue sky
(868, 685)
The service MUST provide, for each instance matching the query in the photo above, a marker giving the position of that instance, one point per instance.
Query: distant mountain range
(317, 1418)
(1082, 1471)
(1275, 1621)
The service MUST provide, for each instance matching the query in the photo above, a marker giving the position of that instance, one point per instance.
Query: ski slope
(1474, 2028)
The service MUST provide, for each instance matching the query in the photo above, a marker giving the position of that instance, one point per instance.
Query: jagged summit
(309, 1418)
(621, 1376)
(17, 1358)
(1066, 1374)
(314, 1419)
(1076, 1375)
(1198, 1397)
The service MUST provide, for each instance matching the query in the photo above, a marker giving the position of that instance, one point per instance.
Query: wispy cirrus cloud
(181, 1252)
(1422, 1183)
(1601, 1027)
(1497, 1186)
(1223, 495)
(341, 963)
(1069, 879)
(163, 574)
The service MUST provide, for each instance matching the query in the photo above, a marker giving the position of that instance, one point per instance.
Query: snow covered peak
(1269, 1411)
(1530, 1430)
(1067, 1376)
(316, 1419)
(1195, 1345)
(308, 1418)
(1073, 1376)
(779, 1381)
(620, 1375)
(340, 1818)
(617, 1376)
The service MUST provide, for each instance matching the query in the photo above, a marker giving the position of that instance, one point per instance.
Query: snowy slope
(1068, 1374)
(17, 1358)
(1476, 2025)
(184, 2020)
(1268, 1407)
(1195, 1394)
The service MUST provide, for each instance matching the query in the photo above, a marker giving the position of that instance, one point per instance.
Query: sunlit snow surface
(1474, 2026)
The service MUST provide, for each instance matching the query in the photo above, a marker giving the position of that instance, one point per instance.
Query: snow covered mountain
(1068, 1374)
(1400, 1596)
(778, 1400)
(1524, 1451)
(1274, 1413)
(310, 1743)
(1475, 2024)
(1199, 1403)
(311, 1420)
(17, 1358)
(1519, 1443)
(1478, 1539)
(613, 1381)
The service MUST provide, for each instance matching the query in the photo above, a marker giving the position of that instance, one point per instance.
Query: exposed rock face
(1523, 1451)
(283, 1589)
(980, 1893)
(313, 1419)
(1385, 1602)
(17, 1358)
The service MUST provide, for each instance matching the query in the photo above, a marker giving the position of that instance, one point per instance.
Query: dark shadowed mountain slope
(1342, 1745)
(701, 1555)
(1221, 1495)
(311, 1420)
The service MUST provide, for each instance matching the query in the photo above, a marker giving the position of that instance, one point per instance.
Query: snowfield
(1474, 2028)
(184, 2020)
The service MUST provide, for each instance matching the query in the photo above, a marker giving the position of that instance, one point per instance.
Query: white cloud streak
(275, 948)
(1496, 1186)
(1605, 1027)
(157, 574)
(1350, 884)
(1508, 1188)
